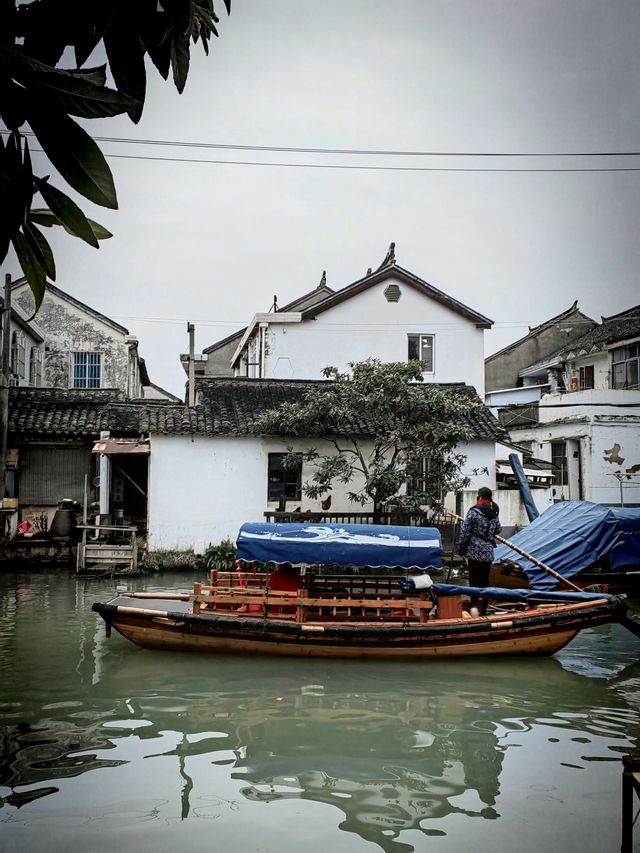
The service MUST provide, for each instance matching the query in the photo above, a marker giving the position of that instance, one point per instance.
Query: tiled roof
(620, 327)
(225, 407)
(70, 414)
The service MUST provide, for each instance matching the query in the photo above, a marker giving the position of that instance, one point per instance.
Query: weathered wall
(68, 329)
(202, 489)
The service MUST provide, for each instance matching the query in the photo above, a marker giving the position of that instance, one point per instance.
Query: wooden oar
(522, 553)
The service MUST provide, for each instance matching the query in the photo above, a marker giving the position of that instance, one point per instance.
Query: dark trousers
(478, 576)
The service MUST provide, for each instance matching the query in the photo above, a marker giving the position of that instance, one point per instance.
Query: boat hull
(525, 633)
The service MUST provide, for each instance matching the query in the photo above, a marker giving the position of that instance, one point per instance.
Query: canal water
(108, 747)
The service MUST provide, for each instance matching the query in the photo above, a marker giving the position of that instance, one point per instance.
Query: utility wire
(356, 151)
(363, 168)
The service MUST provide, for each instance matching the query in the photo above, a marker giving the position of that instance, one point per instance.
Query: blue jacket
(477, 535)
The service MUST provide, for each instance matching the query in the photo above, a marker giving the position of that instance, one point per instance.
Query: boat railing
(338, 598)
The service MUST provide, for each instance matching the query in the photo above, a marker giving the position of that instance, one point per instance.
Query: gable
(394, 274)
(58, 297)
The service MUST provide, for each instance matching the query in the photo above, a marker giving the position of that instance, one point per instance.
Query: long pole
(4, 381)
(522, 553)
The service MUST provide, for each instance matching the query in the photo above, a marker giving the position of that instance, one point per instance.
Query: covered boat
(360, 591)
(591, 543)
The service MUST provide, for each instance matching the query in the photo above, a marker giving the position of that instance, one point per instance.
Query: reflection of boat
(590, 543)
(368, 615)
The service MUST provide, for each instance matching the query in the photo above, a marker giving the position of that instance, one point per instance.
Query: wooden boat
(379, 613)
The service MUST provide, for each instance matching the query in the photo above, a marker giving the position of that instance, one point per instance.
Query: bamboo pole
(522, 553)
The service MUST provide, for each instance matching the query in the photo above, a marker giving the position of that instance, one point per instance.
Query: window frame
(417, 339)
(417, 485)
(18, 357)
(292, 490)
(560, 470)
(80, 374)
(586, 377)
(624, 357)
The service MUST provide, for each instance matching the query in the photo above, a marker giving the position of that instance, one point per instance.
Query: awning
(370, 545)
(121, 446)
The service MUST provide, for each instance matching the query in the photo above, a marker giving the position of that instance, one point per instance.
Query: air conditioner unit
(575, 383)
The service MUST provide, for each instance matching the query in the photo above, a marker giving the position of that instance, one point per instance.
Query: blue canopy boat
(598, 544)
(359, 591)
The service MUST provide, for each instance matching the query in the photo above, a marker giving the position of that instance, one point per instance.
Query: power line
(341, 166)
(354, 151)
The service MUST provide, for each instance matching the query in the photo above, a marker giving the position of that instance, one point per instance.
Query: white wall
(367, 326)
(202, 489)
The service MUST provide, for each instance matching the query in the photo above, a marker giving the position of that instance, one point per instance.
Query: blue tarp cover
(627, 554)
(568, 537)
(341, 545)
(499, 593)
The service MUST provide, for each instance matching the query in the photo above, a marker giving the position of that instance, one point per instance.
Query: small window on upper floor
(35, 367)
(18, 355)
(586, 377)
(421, 347)
(625, 366)
(87, 369)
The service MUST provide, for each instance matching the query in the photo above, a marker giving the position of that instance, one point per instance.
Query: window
(426, 480)
(586, 377)
(86, 369)
(283, 482)
(421, 348)
(18, 355)
(35, 366)
(559, 462)
(625, 366)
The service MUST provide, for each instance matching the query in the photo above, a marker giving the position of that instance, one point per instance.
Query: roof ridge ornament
(323, 280)
(390, 258)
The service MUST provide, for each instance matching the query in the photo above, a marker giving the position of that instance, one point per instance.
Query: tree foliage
(385, 432)
(34, 91)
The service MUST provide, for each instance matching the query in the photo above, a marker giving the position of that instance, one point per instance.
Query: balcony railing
(408, 518)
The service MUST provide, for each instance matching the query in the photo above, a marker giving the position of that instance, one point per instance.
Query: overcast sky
(212, 243)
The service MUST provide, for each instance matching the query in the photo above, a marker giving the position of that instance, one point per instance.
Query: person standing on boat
(477, 540)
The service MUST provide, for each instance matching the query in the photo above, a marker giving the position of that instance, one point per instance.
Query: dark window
(283, 482)
(625, 364)
(586, 377)
(419, 484)
(421, 349)
(86, 369)
(559, 461)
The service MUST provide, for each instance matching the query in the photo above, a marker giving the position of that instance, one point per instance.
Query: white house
(587, 423)
(390, 314)
(209, 470)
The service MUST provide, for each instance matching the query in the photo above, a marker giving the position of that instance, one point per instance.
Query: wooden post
(4, 383)
(191, 395)
(630, 782)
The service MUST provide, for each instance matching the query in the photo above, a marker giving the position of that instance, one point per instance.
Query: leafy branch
(34, 91)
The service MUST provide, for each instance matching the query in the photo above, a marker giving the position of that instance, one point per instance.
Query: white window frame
(419, 338)
(622, 359)
(90, 355)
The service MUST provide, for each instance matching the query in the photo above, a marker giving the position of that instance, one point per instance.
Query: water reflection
(391, 749)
